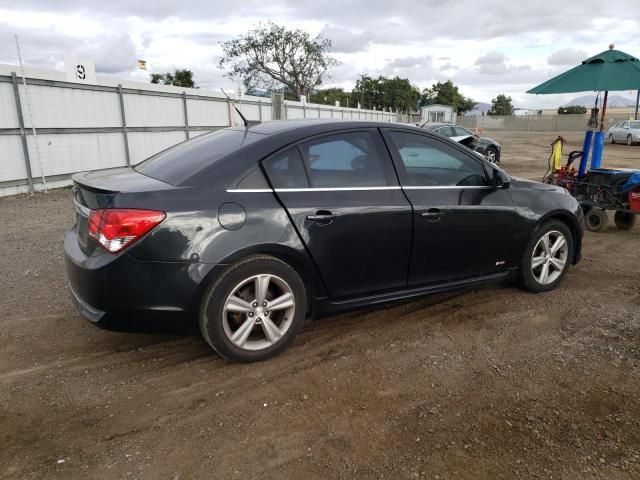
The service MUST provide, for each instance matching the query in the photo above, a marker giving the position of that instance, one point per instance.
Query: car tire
(538, 258)
(624, 220)
(491, 155)
(629, 140)
(596, 220)
(611, 140)
(244, 334)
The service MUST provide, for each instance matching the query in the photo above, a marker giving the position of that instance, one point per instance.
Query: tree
(270, 52)
(572, 110)
(447, 93)
(501, 105)
(383, 93)
(329, 96)
(179, 78)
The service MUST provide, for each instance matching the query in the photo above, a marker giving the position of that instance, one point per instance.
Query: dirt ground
(494, 383)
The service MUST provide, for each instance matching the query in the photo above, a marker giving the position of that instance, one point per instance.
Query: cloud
(566, 57)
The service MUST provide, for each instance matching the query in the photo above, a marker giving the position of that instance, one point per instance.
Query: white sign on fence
(79, 70)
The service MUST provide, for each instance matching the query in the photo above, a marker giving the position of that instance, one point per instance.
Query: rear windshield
(177, 163)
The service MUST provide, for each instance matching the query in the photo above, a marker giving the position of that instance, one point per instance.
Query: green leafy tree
(270, 52)
(576, 109)
(384, 93)
(501, 105)
(447, 93)
(329, 96)
(179, 78)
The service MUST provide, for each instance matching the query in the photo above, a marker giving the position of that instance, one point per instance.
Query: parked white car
(627, 132)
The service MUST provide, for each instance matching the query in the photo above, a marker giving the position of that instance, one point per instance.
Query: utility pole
(637, 102)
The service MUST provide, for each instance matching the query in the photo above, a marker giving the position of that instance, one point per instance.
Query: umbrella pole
(604, 110)
(598, 144)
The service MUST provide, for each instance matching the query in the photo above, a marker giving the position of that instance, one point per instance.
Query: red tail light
(117, 228)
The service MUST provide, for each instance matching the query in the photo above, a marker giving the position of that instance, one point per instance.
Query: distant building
(437, 113)
(526, 111)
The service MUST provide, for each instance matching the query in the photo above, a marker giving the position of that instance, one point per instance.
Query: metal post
(304, 110)
(124, 127)
(23, 134)
(186, 115)
(260, 110)
(637, 103)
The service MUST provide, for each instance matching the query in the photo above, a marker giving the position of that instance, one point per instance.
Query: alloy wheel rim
(549, 257)
(258, 312)
(491, 156)
(629, 140)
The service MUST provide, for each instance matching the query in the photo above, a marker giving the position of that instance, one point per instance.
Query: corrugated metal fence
(60, 128)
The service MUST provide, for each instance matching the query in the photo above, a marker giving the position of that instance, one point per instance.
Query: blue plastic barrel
(598, 147)
(586, 147)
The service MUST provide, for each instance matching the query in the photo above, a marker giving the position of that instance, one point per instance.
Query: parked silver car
(627, 132)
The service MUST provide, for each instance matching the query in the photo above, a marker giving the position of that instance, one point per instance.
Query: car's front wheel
(611, 140)
(254, 309)
(547, 257)
(491, 154)
(629, 140)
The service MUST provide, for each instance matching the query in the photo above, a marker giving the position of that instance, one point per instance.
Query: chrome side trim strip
(249, 190)
(352, 189)
(336, 189)
(447, 187)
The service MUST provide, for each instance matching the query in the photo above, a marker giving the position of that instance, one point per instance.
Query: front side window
(462, 132)
(446, 131)
(625, 125)
(635, 125)
(354, 159)
(429, 162)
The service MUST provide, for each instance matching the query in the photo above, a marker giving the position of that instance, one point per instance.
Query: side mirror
(501, 179)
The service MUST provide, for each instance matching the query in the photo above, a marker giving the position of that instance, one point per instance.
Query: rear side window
(446, 131)
(285, 170)
(429, 162)
(353, 159)
(182, 161)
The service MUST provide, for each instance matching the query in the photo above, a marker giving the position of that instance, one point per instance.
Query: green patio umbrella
(611, 70)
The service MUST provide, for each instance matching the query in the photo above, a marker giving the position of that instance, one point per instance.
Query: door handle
(433, 214)
(322, 216)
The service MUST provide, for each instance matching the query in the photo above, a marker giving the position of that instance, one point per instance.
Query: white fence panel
(12, 166)
(152, 111)
(67, 153)
(8, 113)
(55, 107)
(145, 144)
(250, 111)
(204, 113)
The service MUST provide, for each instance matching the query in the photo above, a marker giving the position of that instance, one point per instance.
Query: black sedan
(485, 146)
(252, 229)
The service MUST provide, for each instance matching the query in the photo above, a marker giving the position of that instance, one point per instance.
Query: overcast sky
(486, 47)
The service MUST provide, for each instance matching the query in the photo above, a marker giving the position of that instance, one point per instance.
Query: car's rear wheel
(629, 140)
(596, 220)
(547, 257)
(491, 154)
(624, 220)
(254, 310)
(611, 140)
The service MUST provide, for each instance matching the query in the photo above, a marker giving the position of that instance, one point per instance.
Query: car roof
(434, 125)
(278, 126)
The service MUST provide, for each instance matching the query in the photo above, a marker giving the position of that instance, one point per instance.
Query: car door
(463, 226)
(342, 195)
(622, 131)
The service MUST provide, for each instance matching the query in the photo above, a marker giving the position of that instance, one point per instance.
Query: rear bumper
(102, 283)
(90, 313)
